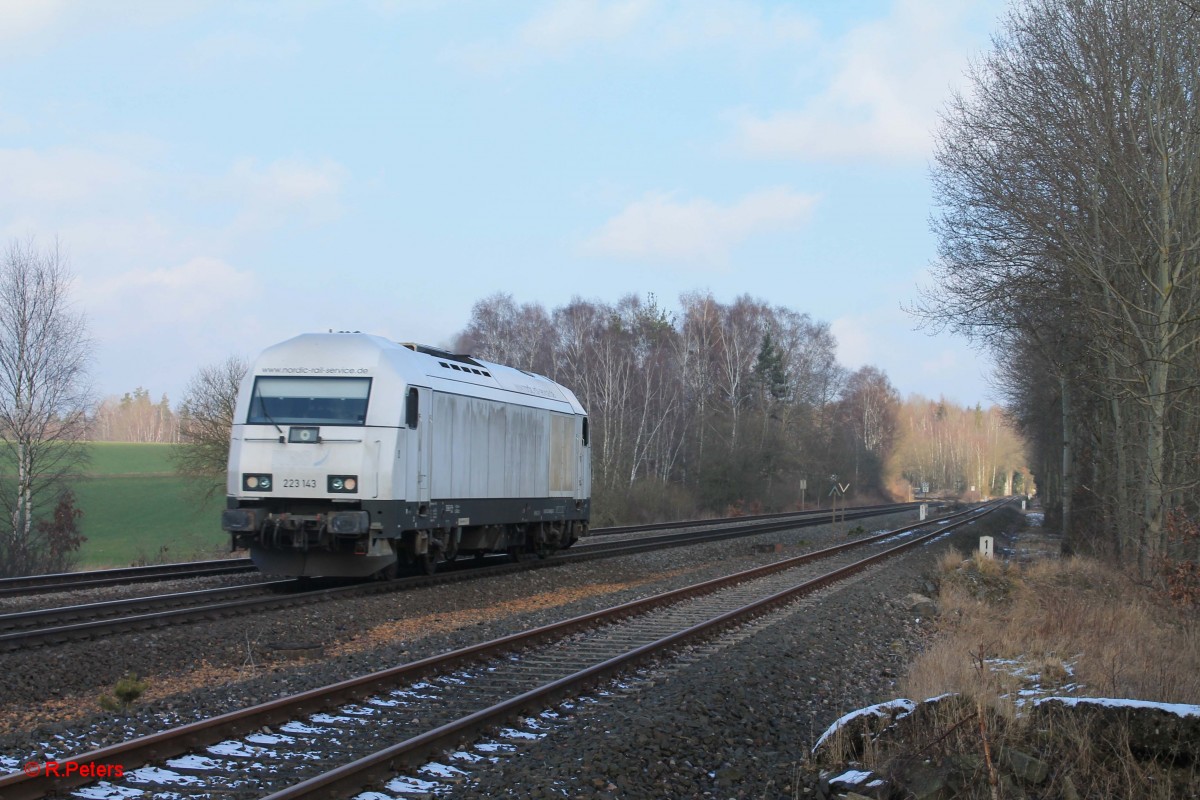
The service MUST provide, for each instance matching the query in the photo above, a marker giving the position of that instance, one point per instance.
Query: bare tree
(45, 397)
(1070, 229)
(206, 423)
(503, 332)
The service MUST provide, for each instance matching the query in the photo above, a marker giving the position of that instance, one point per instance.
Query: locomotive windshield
(309, 401)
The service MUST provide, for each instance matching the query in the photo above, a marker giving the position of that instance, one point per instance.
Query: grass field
(136, 509)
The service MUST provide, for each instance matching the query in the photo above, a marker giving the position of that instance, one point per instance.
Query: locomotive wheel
(426, 563)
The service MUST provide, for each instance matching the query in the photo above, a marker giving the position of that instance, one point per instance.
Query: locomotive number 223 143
(299, 483)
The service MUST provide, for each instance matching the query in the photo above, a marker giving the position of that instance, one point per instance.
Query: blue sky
(225, 175)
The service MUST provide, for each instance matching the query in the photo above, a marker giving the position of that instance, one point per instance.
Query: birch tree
(45, 398)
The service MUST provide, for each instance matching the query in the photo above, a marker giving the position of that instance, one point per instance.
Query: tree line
(134, 417)
(714, 406)
(1068, 181)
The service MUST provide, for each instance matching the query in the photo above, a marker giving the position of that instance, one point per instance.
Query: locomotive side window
(410, 409)
(309, 401)
(585, 433)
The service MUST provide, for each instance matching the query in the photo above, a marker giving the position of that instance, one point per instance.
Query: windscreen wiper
(262, 406)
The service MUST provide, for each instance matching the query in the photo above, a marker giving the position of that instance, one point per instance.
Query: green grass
(131, 519)
(122, 458)
(135, 508)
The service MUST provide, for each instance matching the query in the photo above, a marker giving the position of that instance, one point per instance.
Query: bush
(124, 694)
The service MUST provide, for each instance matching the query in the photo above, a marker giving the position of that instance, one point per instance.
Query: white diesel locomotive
(352, 455)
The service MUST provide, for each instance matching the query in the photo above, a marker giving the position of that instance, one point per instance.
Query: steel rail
(693, 523)
(62, 615)
(147, 616)
(166, 744)
(91, 579)
(73, 581)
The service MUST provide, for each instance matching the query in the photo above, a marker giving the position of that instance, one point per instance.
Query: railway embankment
(1047, 678)
(207, 669)
(734, 718)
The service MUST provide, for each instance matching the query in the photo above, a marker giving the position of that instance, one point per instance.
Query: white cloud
(167, 297)
(886, 337)
(566, 25)
(659, 227)
(33, 25)
(20, 19)
(283, 191)
(64, 176)
(892, 75)
(156, 326)
(108, 196)
(638, 28)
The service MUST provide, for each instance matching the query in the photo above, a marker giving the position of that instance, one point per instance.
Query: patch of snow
(300, 727)
(495, 747)
(406, 784)
(161, 776)
(851, 777)
(232, 747)
(329, 719)
(513, 733)
(408, 694)
(940, 697)
(269, 738)
(107, 791)
(441, 770)
(379, 701)
(193, 762)
(878, 710)
(1178, 709)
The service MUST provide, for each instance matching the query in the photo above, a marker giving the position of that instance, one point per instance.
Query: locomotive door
(424, 436)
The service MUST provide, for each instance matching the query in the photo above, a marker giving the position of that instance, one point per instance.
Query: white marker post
(985, 547)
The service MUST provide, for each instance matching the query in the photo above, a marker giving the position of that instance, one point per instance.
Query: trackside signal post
(838, 490)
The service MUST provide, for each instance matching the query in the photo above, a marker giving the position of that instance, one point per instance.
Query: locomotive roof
(338, 353)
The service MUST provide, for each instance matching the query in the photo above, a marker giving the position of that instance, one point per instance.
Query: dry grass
(1119, 638)
(1069, 626)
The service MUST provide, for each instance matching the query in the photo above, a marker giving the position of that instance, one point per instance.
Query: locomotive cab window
(309, 401)
(585, 432)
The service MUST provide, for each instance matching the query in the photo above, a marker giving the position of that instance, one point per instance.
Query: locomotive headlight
(256, 483)
(343, 483)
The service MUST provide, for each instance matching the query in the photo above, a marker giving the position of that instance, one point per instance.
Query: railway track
(435, 703)
(74, 581)
(92, 579)
(95, 620)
